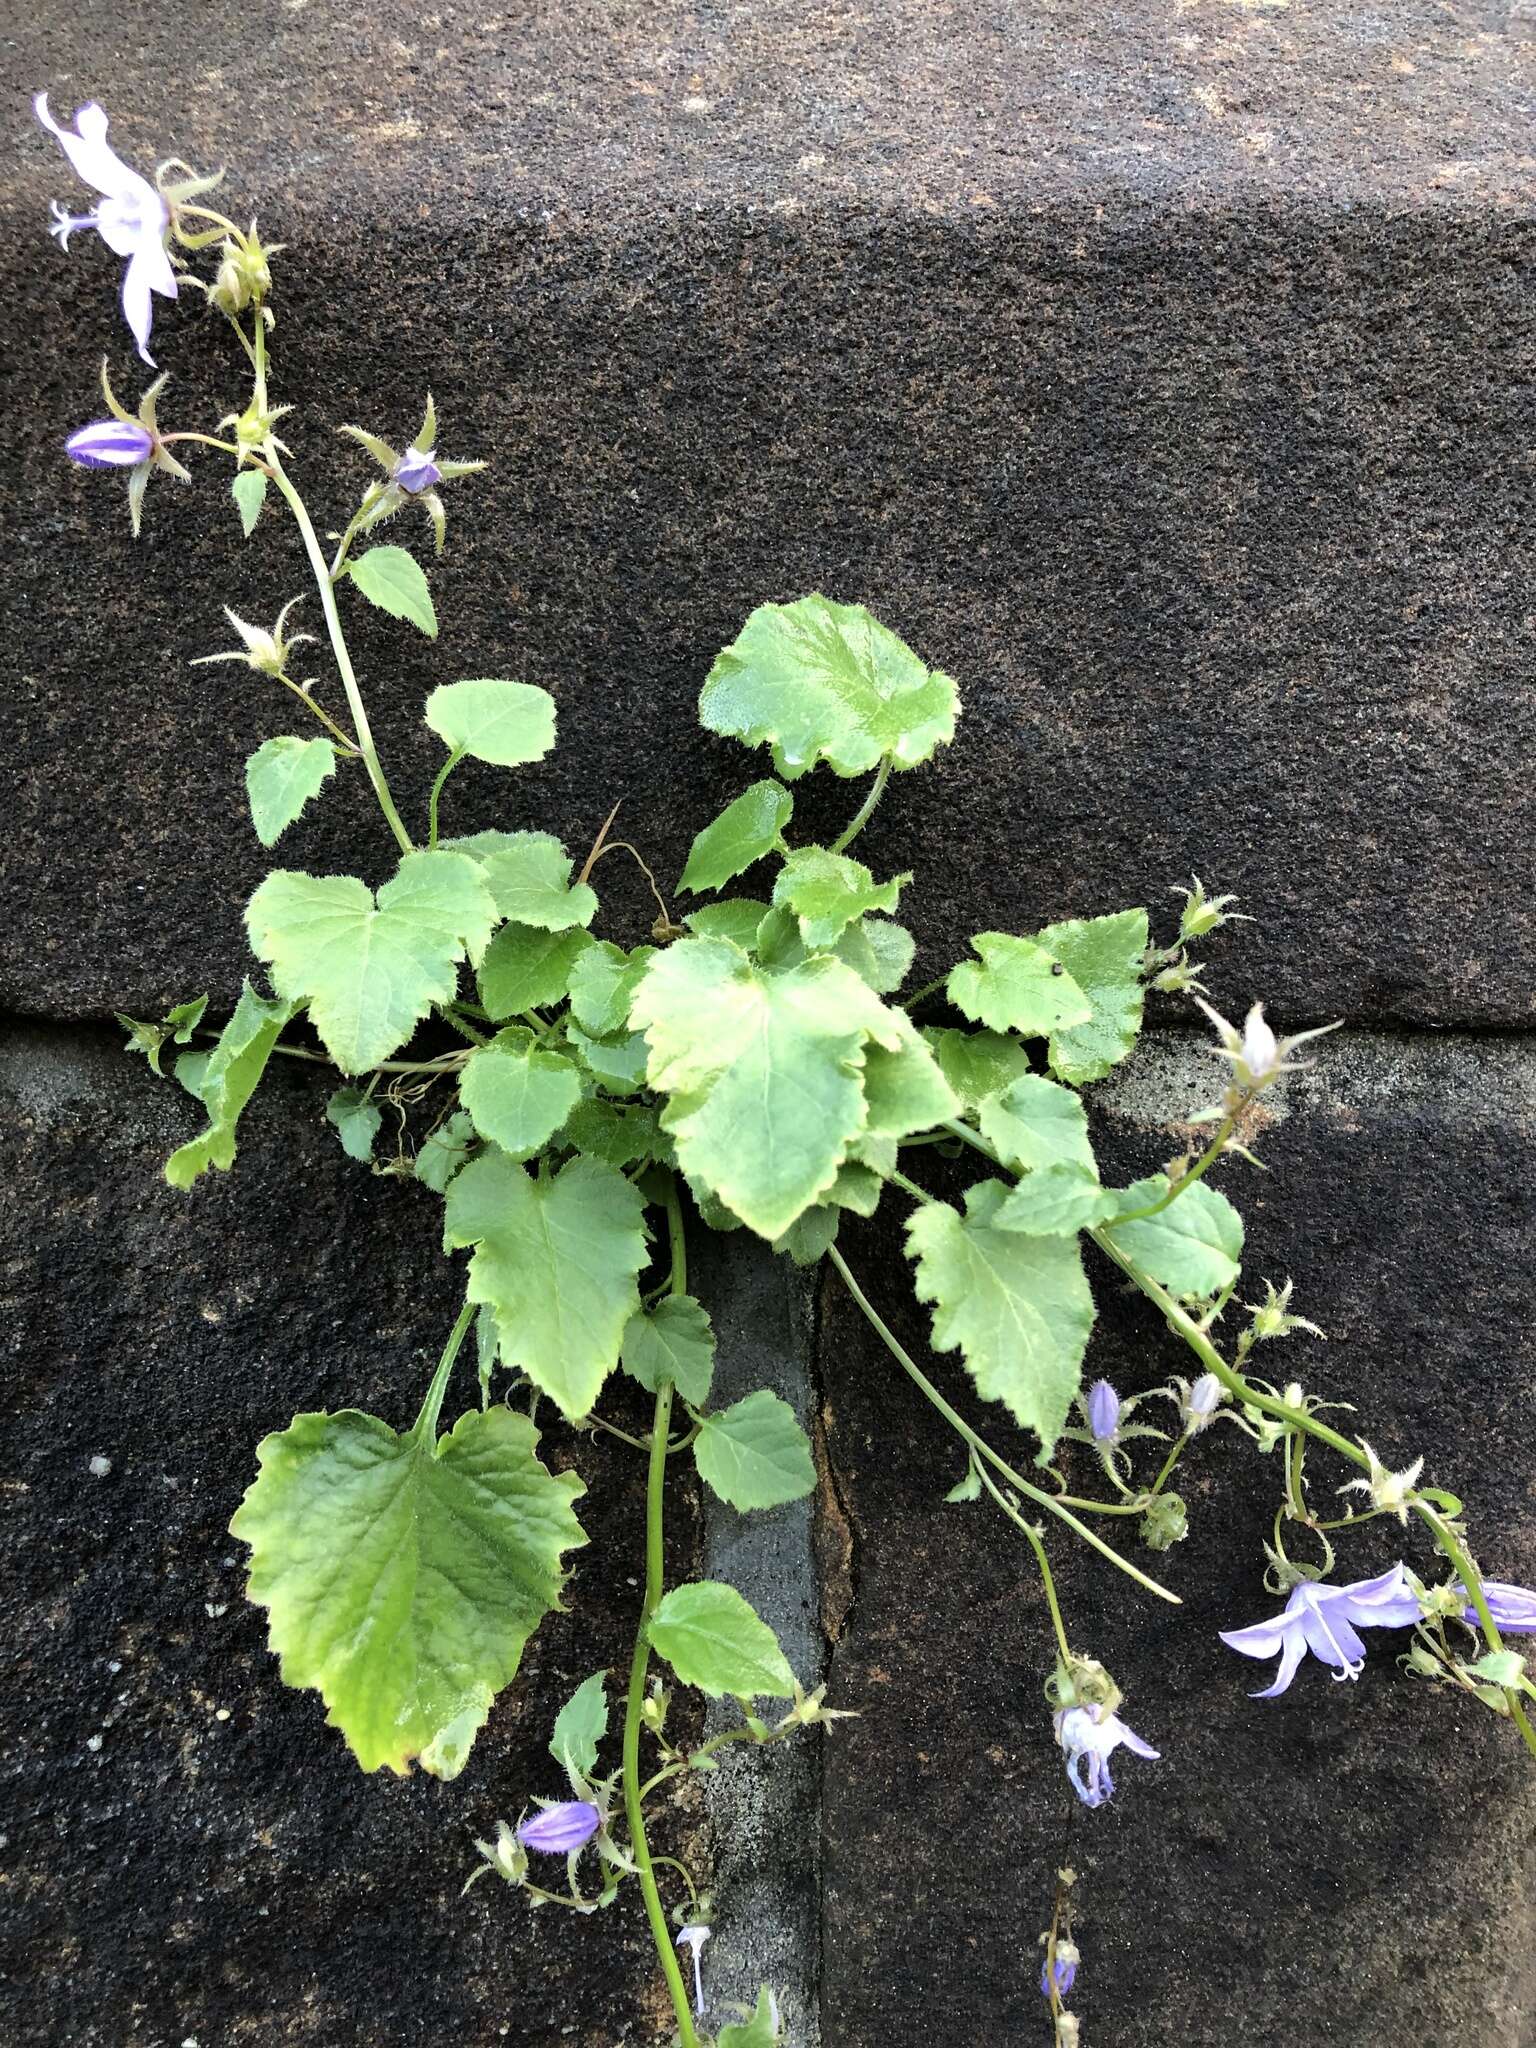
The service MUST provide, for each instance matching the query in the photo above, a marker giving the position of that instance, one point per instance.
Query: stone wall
(1163, 373)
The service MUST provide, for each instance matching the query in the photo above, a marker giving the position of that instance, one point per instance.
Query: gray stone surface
(190, 1853)
(1350, 1862)
(1163, 375)
(765, 1806)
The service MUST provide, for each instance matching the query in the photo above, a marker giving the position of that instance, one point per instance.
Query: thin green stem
(866, 810)
(323, 584)
(1167, 1466)
(424, 1429)
(206, 441)
(1038, 1547)
(1186, 1327)
(980, 1445)
(453, 1015)
(1198, 1171)
(443, 774)
(1102, 1507)
(1472, 1579)
(909, 1187)
(929, 988)
(687, 1763)
(655, 1578)
(347, 745)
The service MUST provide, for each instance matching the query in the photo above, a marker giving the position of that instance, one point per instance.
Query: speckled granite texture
(1165, 373)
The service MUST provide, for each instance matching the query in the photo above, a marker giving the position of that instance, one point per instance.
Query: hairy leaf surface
(1103, 956)
(1017, 986)
(280, 778)
(763, 1071)
(754, 1454)
(1017, 1308)
(1194, 1246)
(673, 1341)
(225, 1081)
(716, 1640)
(744, 831)
(556, 1259)
(502, 722)
(396, 582)
(370, 972)
(820, 681)
(402, 1575)
(517, 1095)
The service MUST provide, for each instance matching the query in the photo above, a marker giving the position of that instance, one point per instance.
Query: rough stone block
(1350, 1861)
(1159, 375)
(192, 1853)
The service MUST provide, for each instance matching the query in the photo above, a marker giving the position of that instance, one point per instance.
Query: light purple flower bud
(1513, 1608)
(1204, 1399)
(561, 1828)
(1064, 1970)
(417, 471)
(110, 444)
(1103, 1412)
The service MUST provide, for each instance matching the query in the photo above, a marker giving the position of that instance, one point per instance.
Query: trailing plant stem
(324, 586)
(866, 810)
(980, 1445)
(655, 1569)
(1041, 1559)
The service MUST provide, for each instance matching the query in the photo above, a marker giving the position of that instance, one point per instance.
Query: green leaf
(1193, 1247)
(357, 1121)
(977, 1064)
(778, 942)
(518, 1096)
(603, 984)
(397, 584)
(580, 1726)
(178, 1024)
(1018, 986)
(716, 1640)
(525, 969)
(183, 1019)
(370, 974)
(811, 1236)
(879, 952)
(402, 1575)
(754, 1454)
(445, 1151)
(737, 919)
(757, 2032)
(673, 1341)
(249, 491)
(744, 831)
(819, 681)
(1017, 1308)
(601, 1130)
(968, 1488)
(1103, 956)
(1035, 1123)
(618, 1063)
(828, 891)
(903, 1086)
(190, 1069)
(557, 1261)
(226, 1081)
(505, 723)
(281, 777)
(528, 875)
(1055, 1201)
(1500, 1667)
(762, 1071)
